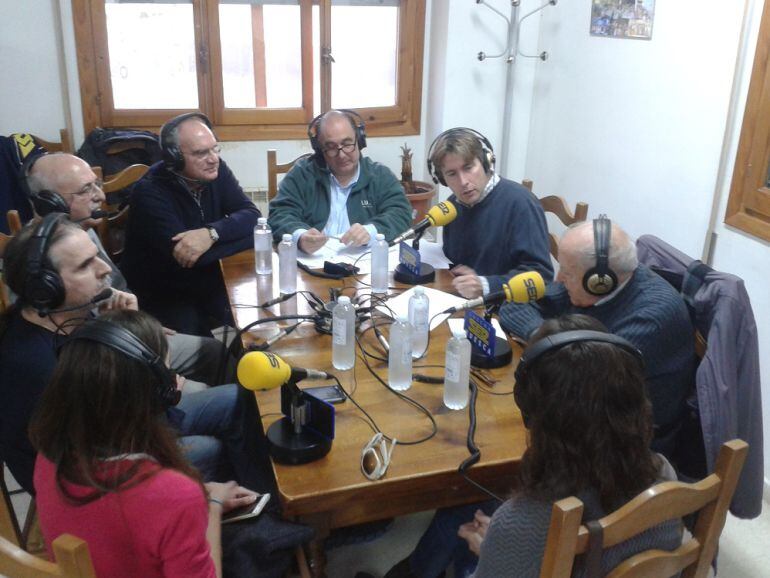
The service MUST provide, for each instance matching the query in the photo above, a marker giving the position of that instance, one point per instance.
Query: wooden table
(332, 492)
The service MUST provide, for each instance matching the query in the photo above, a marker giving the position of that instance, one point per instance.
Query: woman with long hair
(589, 428)
(109, 469)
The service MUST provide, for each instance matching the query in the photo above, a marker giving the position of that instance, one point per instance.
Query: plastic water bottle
(263, 247)
(418, 319)
(400, 355)
(287, 265)
(343, 334)
(458, 366)
(380, 265)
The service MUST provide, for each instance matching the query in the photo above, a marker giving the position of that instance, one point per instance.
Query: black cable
(471, 443)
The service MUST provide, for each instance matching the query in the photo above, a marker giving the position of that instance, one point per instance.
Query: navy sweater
(501, 236)
(649, 313)
(161, 207)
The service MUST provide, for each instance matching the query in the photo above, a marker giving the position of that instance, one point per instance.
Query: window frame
(748, 206)
(250, 124)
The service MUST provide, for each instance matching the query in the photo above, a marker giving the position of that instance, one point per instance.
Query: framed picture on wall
(622, 18)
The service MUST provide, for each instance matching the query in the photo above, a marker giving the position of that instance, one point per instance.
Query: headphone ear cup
(598, 283)
(601, 279)
(46, 202)
(45, 290)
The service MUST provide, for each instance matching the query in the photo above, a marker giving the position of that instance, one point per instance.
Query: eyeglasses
(375, 457)
(333, 150)
(202, 154)
(91, 188)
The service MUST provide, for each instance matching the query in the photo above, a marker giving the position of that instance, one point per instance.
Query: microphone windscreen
(262, 370)
(524, 287)
(103, 295)
(442, 214)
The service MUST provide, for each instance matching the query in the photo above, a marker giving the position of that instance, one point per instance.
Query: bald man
(338, 192)
(187, 213)
(643, 308)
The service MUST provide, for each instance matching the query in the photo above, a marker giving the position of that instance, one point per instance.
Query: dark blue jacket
(162, 207)
(13, 150)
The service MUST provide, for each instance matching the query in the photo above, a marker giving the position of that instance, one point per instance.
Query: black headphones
(170, 152)
(552, 343)
(601, 280)
(487, 157)
(125, 342)
(44, 202)
(355, 119)
(43, 287)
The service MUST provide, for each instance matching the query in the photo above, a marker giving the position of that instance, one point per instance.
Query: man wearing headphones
(600, 276)
(500, 229)
(187, 212)
(337, 191)
(61, 182)
(55, 270)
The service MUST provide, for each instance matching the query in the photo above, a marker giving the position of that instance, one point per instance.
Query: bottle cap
(379, 237)
(286, 237)
(419, 290)
(262, 221)
(343, 300)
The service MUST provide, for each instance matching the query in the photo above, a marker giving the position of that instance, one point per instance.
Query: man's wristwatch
(213, 234)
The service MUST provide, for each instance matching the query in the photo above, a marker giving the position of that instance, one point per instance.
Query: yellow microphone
(438, 216)
(264, 370)
(521, 288)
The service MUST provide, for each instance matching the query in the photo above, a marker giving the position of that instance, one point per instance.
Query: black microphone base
(503, 355)
(288, 447)
(403, 275)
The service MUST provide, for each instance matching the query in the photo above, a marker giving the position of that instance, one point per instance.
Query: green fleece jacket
(303, 201)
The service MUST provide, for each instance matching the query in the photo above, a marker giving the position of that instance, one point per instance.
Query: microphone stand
(427, 273)
(290, 441)
(503, 354)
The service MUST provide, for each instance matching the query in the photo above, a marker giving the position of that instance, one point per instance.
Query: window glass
(140, 79)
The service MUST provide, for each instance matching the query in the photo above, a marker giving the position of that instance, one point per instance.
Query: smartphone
(327, 393)
(246, 512)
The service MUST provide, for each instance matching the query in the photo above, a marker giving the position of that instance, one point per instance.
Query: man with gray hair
(599, 275)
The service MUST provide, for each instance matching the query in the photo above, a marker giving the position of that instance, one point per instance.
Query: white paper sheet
(438, 301)
(456, 326)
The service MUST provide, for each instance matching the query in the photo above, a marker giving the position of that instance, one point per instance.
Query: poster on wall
(622, 18)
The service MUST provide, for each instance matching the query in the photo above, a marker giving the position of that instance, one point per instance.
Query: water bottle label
(452, 367)
(339, 331)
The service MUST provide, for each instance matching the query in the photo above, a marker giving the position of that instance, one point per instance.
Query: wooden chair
(64, 146)
(26, 536)
(669, 500)
(111, 230)
(558, 206)
(14, 221)
(274, 169)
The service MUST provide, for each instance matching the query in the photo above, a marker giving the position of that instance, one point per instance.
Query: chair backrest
(668, 500)
(14, 221)
(73, 560)
(65, 146)
(274, 169)
(9, 523)
(558, 206)
(111, 230)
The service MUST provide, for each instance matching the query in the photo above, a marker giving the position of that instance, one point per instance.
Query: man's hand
(231, 495)
(190, 245)
(311, 240)
(355, 236)
(466, 282)
(475, 531)
(120, 300)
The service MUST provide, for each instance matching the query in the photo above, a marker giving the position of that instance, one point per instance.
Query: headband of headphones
(123, 341)
(556, 342)
(43, 287)
(169, 146)
(601, 280)
(487, 158)
(355, 120)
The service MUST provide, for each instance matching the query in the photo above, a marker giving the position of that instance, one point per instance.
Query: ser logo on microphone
(273, 359)
(532, 291)
(445, 210)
